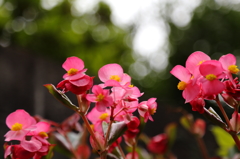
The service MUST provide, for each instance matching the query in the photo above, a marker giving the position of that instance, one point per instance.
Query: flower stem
(231, 130)
(223, 112)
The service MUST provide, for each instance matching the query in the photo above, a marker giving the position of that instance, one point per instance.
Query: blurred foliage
(63, 31)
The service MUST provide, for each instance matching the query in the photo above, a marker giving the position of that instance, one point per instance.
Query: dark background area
(30, 58)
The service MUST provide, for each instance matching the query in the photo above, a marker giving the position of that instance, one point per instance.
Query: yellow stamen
(115, 77)
(200, 62)
(103, 116)
(100, 97)
(211, 77)
(16, 127)
(233, 69)
(182, 85)
(152, 111)
(72, 71)
(43, 134)
(131, 85)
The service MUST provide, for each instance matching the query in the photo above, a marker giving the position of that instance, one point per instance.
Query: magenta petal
(26, 120)
(181, 73)
(97, 89)
(73, 62)
(212, 87)
(32, 145)
(112, 83)
(195, 59)
(227, 60)
(211, 67)
(8, 151)
(81, 81)
(108, 70)
(78, 75)
(191, 92)
(91, 97)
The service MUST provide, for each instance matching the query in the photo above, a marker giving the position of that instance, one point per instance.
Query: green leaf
(117, 130)
(214, 117)
(171, 131)
(186, 121)
(223, 139)
(61, 97)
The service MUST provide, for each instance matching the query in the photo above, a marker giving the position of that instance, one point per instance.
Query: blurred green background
(36, 36)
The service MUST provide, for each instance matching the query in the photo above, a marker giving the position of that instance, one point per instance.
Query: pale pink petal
(32, 145)
(108, 70)
(125, 79)
(227, 60)
(211, 67)
(42, 126)
(212, 87)
(73, 62)
(196, 59)
(151, 101)
(85, 80)
(19, 116)
(15, 135)
(181, 73)
(190, 92)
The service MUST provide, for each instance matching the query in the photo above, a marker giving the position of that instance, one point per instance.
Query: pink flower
(196, 59)
(199, 127)
(112, 75)
(147, 108)
(229, 63)
(211, 71)
(74, 67)
(96, 117)
(20, 123)
(158, 144)
(198, 105)
(101, 97)
(190, 89)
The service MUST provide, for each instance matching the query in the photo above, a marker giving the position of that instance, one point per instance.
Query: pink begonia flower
(101, 97)
(196, 59)
(198, 104)
(190, 89)
(235, 121)
(147, 108)
(96, 117)
(211, 71)
(74, 67)
(20, 123)
(112, 75)
(229, 65)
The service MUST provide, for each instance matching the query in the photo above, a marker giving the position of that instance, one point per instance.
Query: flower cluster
(203, 78)
(31, 136)
(115, 99)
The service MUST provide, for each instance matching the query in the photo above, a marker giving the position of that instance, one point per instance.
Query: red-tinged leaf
(83, 151)
(61, 97)
(117, 130)
(214, 117)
